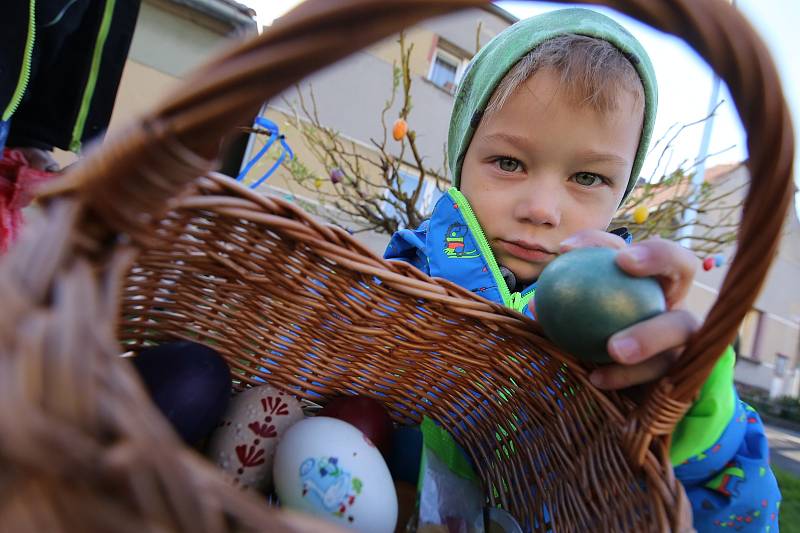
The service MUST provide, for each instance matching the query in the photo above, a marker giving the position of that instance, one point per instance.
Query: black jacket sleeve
(65, 76)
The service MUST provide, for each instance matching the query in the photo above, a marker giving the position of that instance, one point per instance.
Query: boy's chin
(526, 273)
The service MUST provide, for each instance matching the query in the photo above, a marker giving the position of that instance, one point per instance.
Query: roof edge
(229, 12)
(500, 12)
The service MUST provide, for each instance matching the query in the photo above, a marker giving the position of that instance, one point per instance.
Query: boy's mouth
(527, 251)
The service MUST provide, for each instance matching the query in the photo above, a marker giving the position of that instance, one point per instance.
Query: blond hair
(593, 72)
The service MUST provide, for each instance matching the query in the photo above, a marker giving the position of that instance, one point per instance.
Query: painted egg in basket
(366, 414)
(328, 468)
(244, 443)
(189, 382)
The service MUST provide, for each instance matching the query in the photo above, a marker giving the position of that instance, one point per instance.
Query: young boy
(548, 132)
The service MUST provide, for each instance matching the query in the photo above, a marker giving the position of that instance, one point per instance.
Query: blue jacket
(719, 449)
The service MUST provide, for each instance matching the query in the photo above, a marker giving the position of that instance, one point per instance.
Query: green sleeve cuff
(704, 423)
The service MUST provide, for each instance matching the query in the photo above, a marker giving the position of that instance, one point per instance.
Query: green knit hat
(493, 61)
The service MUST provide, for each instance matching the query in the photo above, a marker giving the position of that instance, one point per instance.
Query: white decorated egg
(328, 468)
(244, 443)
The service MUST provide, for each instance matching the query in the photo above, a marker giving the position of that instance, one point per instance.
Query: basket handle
(721, 34)
(120, 187)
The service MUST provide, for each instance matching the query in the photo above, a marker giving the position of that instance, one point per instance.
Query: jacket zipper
(25, 71)
(517, 300)
(483, 243)
(91, 82)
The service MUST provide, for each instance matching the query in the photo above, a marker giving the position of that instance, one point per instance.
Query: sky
(684, 79)
(268, 10)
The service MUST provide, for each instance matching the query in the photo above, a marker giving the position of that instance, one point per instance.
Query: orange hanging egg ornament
(399, 129)
(640, 214)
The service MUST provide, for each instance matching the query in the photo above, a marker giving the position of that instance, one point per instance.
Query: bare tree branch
(373, 192)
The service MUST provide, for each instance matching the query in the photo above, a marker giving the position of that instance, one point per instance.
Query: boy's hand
(645, 351)
(39, 159)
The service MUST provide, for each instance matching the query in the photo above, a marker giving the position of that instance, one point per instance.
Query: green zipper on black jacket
(516, 300)
(91, 82)
(25, 70)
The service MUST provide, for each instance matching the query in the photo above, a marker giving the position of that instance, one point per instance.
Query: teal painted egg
(583, 297)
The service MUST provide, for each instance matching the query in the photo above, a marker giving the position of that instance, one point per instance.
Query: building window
(428, 196)
(780, 364)
(446, 69)
(750, 333)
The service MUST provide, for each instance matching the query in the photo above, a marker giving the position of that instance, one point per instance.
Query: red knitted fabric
(17, 183)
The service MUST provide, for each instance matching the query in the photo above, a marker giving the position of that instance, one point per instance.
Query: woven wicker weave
(141, 242)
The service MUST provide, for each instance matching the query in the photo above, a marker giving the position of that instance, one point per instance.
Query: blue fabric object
(275, 135)
(404, 455)
(5, 125)
(446, 247)
(730, 485)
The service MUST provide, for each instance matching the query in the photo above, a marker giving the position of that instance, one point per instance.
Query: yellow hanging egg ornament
(317, 183)
(640, 214)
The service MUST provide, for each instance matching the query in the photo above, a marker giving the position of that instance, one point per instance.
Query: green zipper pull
(520, 300)
(91, 82)
(25, 69)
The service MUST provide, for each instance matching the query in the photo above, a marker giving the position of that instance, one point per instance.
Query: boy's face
(543, 168)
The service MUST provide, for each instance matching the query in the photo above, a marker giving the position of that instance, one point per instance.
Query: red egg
(708, 263)
(366, 414)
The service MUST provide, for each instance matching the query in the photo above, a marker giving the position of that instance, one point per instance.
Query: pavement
(784, 446)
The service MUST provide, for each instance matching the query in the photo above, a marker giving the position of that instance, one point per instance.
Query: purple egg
(337, 175)
(190, 383)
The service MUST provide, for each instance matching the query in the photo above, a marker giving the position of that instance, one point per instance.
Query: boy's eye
(587, 179)
(507, 164)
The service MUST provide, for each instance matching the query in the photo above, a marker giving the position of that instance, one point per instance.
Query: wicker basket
(136, 248)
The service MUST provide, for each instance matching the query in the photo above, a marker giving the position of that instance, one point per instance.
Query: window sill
(429, 82)
(750, 359)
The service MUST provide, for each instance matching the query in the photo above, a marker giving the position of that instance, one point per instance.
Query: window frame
(751, 329)
(781, 364)
(424, 202)
(454, 60)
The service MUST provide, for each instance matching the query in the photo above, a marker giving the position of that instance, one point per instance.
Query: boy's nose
(540, 207)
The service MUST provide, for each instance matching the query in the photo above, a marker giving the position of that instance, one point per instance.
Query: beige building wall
(770, 334)
(280, 183)
(141, 88)
(351, 94)
(422, 43)
(175, 39)
(461, 33)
